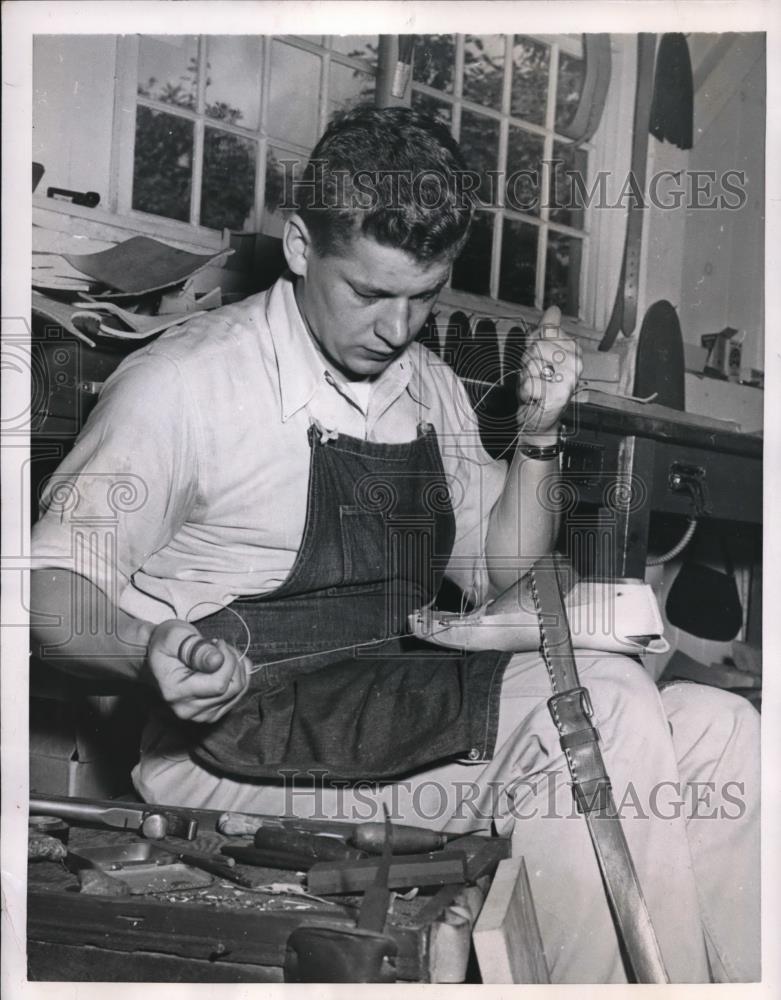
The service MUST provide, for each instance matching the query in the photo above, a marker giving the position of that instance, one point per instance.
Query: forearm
(76, 628)
(524, 523)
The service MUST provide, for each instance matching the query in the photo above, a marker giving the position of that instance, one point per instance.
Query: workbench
(221, 932)
(619, 468)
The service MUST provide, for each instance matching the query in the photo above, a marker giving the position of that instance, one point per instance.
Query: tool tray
(218, 932)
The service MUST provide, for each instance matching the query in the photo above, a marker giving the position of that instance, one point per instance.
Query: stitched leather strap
(570, 707)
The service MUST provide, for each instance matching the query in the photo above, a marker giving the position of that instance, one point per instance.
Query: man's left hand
(551, 369)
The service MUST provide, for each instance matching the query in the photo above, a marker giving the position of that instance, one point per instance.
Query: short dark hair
(393, 174)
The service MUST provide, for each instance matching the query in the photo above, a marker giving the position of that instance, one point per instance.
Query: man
(304, 474)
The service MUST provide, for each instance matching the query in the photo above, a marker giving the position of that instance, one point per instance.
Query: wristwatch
(542, 452)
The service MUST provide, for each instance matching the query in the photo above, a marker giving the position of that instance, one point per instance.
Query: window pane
(348, 87)
(484, 69)
(524, 163)
(430, 106)
(530, 79)
(168, 69)
(519, 262)
(434, 60)
(567, 201)
(480, 144)
(357, 46)
(233, 79)
(293, 94)
(562, 273)
(572, 73)
(472, 270)
(282, 169)
(162, 164)
(228, 184)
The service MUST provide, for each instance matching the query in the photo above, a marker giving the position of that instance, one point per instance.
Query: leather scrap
(141, 265)
(137, 326)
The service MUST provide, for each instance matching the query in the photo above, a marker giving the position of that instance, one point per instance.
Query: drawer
(733, 483)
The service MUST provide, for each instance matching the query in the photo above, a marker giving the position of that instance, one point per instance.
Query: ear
(297, 245)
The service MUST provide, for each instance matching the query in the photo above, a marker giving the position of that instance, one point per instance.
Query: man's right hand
(206, 682)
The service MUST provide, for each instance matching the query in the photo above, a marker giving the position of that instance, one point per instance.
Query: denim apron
(339, 689)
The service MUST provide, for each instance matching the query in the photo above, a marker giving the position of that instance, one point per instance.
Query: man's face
(366, 303)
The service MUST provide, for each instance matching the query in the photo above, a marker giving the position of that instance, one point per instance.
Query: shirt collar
(300, 365)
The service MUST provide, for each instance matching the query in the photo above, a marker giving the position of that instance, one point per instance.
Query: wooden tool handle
(312, 845)
(199, 654)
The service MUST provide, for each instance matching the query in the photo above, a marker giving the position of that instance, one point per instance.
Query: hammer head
(163, 823)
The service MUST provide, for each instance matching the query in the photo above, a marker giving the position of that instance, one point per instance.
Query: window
(506, 98)
(222, 124)
(220, 117)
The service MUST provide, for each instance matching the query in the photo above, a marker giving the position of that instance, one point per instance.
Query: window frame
(546, 131)
(127, 100)
(608, 150)
(603, 231)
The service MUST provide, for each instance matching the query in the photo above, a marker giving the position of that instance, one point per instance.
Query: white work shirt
(187, 487)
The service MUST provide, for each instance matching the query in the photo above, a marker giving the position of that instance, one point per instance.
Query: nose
(393, 325)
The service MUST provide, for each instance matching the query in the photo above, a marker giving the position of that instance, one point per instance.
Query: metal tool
(572, 714)
(90, 199)
(369, 837)
(374, 910)
(150, 821)
(222, 867)
(143, 868)
(363, 954)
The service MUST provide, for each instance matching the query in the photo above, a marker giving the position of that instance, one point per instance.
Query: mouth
(380, 355)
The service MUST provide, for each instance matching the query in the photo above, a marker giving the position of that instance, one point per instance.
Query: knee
(627, 705)
(699, 713)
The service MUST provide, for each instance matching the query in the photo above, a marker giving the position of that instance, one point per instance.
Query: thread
(227, 607)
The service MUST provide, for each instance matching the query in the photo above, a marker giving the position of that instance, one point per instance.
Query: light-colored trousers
(684, 765)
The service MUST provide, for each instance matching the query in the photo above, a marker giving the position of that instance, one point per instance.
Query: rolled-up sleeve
(475, 479)
(128, 484)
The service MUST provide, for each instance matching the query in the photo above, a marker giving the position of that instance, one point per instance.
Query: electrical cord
(676, 549)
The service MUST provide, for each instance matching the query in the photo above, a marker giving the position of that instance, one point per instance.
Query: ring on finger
(547, 373)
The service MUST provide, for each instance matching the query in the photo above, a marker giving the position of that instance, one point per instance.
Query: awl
(369, 837)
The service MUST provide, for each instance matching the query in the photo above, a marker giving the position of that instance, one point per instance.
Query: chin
(367, 367)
